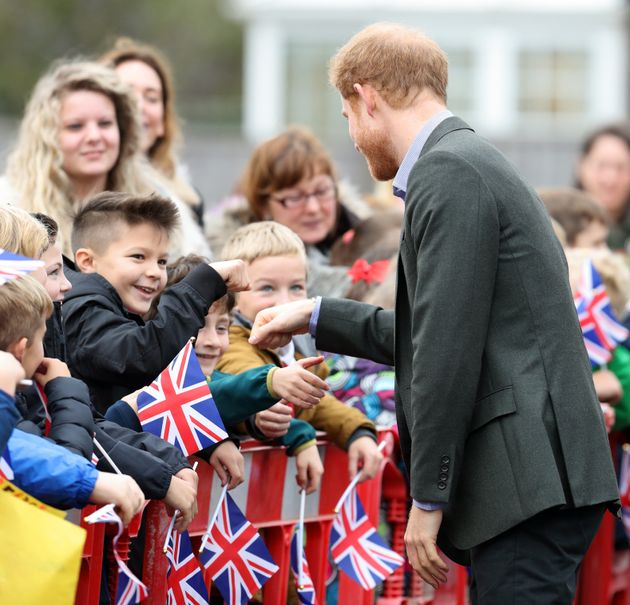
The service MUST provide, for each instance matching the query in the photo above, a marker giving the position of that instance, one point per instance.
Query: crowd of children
(85, 332)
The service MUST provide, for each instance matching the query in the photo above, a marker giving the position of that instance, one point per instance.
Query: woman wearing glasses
(291, 179)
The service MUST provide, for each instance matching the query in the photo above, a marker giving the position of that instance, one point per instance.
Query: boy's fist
(309, 469)
(274, 422)
(49, 369)
(11, 372)
(228, 463)
(234, 274)
(122, 490)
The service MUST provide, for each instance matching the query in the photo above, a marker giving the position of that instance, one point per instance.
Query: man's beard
(379, 154)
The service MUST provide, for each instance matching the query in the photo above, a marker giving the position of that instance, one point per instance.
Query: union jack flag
(624, 488)
(235, 555)
(6, 472)
(130, 590)
(14, 265)
(178, 406)
(601, 330)
(185, 578)
(358, 549)
(305, 589)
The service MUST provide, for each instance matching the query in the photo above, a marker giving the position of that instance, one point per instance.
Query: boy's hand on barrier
(274, 421)
(364, 453)
(299, 386)
(122, 490)
(182, 497)
(420, 541)
(309, 469)
(228, 463)
(234, 274)
(189, 475)
(49, 369)
(274, 327)
(11, 372)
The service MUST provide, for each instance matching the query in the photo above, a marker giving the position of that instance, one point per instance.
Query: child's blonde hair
(21, 233)
(263, 239)
(23, 304)
(612, 268)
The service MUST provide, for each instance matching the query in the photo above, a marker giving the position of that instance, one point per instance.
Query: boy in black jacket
(61, 409)
(109, 344)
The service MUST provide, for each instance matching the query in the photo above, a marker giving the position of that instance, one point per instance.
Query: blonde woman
(79, 136)
(148, 73)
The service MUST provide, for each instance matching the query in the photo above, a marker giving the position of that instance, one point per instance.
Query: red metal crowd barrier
(269, 498)
(601, 580)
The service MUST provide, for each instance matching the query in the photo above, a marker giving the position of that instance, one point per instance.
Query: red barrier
(270, 500)
(89, 586)
(601, 581)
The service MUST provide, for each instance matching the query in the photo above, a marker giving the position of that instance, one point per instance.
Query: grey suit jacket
(496, 408)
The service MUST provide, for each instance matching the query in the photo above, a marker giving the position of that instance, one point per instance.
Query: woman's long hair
(35, 167)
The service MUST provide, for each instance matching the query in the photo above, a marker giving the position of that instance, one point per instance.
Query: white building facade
(531, 75)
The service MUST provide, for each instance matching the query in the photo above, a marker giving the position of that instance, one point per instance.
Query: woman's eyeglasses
(293, 201)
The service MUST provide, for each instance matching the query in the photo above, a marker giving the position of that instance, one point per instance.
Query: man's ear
(18, 348)
(84, 260)
(368, 96)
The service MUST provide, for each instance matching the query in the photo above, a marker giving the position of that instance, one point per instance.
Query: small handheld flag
(178, 406)
(185, 578)
(130, 590)
(235, 555)
(6, 472)
(600, 328)
(357, 548)
(301, 573)
(14, 265)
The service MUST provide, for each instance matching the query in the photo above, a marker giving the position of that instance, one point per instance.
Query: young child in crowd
(276, 266)
(585, 222)
(616, 279)
(122, 269)
(40, 467)
(63, 412)
(238, 397)
(585, 225)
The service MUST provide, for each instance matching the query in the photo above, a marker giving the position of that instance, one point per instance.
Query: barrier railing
(600, 581)
(269, 498)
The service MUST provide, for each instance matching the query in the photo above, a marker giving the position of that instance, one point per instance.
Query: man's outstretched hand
(275, 326)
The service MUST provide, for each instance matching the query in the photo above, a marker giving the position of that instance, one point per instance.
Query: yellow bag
(40, 552)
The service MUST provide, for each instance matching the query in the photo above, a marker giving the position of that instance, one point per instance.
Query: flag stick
(98, 512)
(106, 456)
(353, 483)
(171, 525)
(214, 517)
(300, 540)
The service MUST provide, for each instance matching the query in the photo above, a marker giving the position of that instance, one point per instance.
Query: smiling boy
(121, 245)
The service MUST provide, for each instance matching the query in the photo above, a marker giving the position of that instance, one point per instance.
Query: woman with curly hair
(145, 69)
(80, 136)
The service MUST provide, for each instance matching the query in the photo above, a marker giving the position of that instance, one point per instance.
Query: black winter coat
(116, 352)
